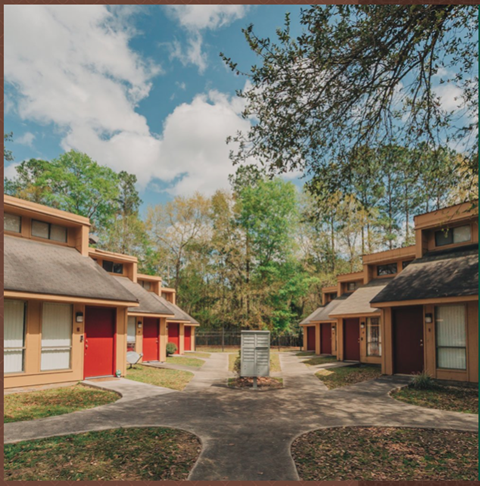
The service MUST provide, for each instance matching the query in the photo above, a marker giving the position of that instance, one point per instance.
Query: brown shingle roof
(446, 273)
(45, 268)
(178, 314)
(359, 301)
(322, 313)
(148, 304)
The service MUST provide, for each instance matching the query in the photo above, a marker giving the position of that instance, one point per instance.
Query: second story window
(351, 286)
(146, 285)
(405, 264)
(112, 267)
(388, 269)
(12, 222)
(49, 231)
(460, 234)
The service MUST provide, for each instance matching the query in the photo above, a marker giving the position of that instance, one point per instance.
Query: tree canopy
(361, 76)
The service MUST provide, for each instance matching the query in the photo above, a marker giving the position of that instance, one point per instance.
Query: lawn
(305, 353)
(146, 454)
(319, 360)
(348, 375)
(386, 454)
(54, 401)
(175, 379)
(274, 361)
(454, 399)
(197, 354)
(185, 361)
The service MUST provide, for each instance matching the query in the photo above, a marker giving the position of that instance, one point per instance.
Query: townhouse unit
(72, 312)
(410, 309)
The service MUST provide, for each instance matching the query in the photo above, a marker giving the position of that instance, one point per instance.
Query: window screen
(40, 229)
(131, 330)
(389, 269)
(14, 336)
(57, 324)
(460, 234)
(451, 337)
(374, 342)
(12, 222)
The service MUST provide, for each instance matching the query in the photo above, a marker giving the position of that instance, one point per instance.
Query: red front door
(188, 338)
(174, 335)
(351, 340)
(326, 338)
(99, 341)
(151, 345)
(311, 338)
(408, 339)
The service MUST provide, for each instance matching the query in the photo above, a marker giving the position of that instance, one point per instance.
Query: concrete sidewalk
(247, 435)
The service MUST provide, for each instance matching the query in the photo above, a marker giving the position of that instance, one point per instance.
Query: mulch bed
(386, 454)
(262, 382)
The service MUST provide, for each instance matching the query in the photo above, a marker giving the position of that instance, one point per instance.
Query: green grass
(197, 354)
(386, 454)
(19, 407)
(146, 454)
(175, 379)
(305, 353)
(274, 361)
(348, 375)
(185, 361)
(454, 399)
(318, 360)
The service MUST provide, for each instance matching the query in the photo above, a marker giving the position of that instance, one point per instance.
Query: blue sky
(141, 88)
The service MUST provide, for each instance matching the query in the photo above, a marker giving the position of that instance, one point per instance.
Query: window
(131, 334)
(374, 340)
(57, 324)
(49, 231)
(388, 269)
(14, 335)
(112, 267)
(405, 264)
(351, 286)
(146, 285)
(460, 234)
(12, 222)
(451, 337)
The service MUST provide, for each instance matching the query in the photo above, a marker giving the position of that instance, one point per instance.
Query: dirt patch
(262, 382)
(386, 454)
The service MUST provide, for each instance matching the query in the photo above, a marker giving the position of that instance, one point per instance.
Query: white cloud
(26, 139)
(71, 66)
(195, 19)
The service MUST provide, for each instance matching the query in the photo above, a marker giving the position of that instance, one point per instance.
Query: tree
(359, 76)
(7, 154)
(72, 182)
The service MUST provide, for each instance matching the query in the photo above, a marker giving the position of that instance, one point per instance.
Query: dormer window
(146, 285)
(112, 267)
(460, 234)
(12, 222)
(388, 269)
(49, 231)
(351, 286)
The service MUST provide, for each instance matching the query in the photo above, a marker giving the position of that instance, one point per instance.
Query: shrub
(171, 348)
(423, 381)
(238, 363)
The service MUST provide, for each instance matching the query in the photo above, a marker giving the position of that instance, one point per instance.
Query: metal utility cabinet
(255, 353)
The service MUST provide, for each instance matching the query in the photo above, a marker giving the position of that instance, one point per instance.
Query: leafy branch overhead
(360, 76)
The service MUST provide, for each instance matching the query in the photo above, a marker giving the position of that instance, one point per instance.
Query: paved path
(246, 435)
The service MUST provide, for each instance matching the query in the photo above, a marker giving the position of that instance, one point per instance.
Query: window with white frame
(451, 337)
(374, 338)
(14, 336)
(57, 322)
(131, 335)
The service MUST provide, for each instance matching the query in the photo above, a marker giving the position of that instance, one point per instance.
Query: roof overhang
(145, 314)
(438, 300)
(12, 294)
(363, 314)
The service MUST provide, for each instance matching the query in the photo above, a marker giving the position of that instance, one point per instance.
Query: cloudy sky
(141, 89)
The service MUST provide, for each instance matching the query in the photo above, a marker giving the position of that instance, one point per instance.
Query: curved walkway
(246, 435)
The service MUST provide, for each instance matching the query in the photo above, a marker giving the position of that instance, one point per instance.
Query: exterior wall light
(362, 325)
(79, 317)
(428, 318)
(139, 324)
